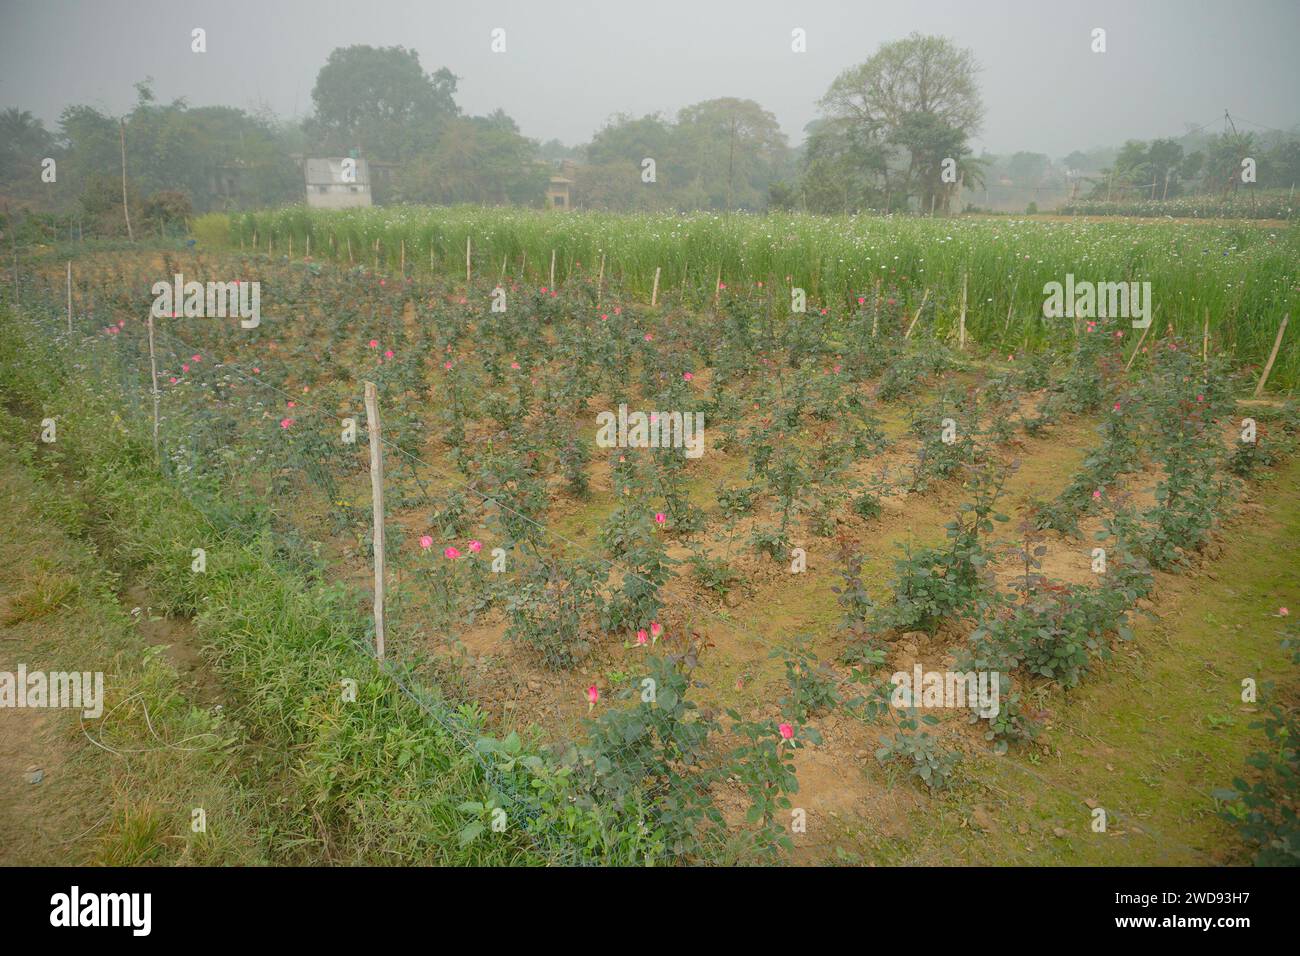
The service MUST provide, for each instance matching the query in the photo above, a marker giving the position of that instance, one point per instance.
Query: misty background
(579, 79)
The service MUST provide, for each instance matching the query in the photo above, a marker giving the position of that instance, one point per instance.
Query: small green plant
(926, 759)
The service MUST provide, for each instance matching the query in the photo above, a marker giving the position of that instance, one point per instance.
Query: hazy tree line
(893, 133)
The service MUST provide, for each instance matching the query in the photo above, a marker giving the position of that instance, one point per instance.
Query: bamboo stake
(925, 295)
(350, 259)
(1272, 357)
(290, 245)
(69, 296)
(403, 256)
(552, 283)
(600, 279)
(875, 316)
(961, 323)
(1138, 348)
(157, 398)
(377, 500)
(654, 293)
(467, 254)
(307, 255)
(717, 288)
(1205, 344)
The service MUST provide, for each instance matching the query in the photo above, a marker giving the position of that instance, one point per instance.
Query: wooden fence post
(654, 293)
(377, 500)
(69, 296)
(552, 283)
(467, 255)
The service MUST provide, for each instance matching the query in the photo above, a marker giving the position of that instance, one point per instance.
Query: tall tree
(381, 101)
(732, 149)
(914, 93)
(24, 143)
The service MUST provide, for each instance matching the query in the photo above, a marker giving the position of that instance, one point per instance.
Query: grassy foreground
(324, 779)
(122, 789)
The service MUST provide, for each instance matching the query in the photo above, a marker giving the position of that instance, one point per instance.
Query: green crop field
(1243, 277)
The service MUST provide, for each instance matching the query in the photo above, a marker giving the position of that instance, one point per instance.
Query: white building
(337, 183)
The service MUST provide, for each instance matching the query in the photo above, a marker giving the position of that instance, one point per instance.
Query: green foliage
(1264, 811)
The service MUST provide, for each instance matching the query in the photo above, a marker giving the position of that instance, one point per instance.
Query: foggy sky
(571, 64)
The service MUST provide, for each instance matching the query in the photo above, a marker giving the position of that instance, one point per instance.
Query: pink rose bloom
(426, 542)
(476, 546)
(642, 637)
(286, 422)
(688, 376)
(373, 343)
(451, 554)
(514, 365)
(593, 694)
(656, 628)
(1096, 495)
(787, 732)
(660, 517)
(388, 354)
